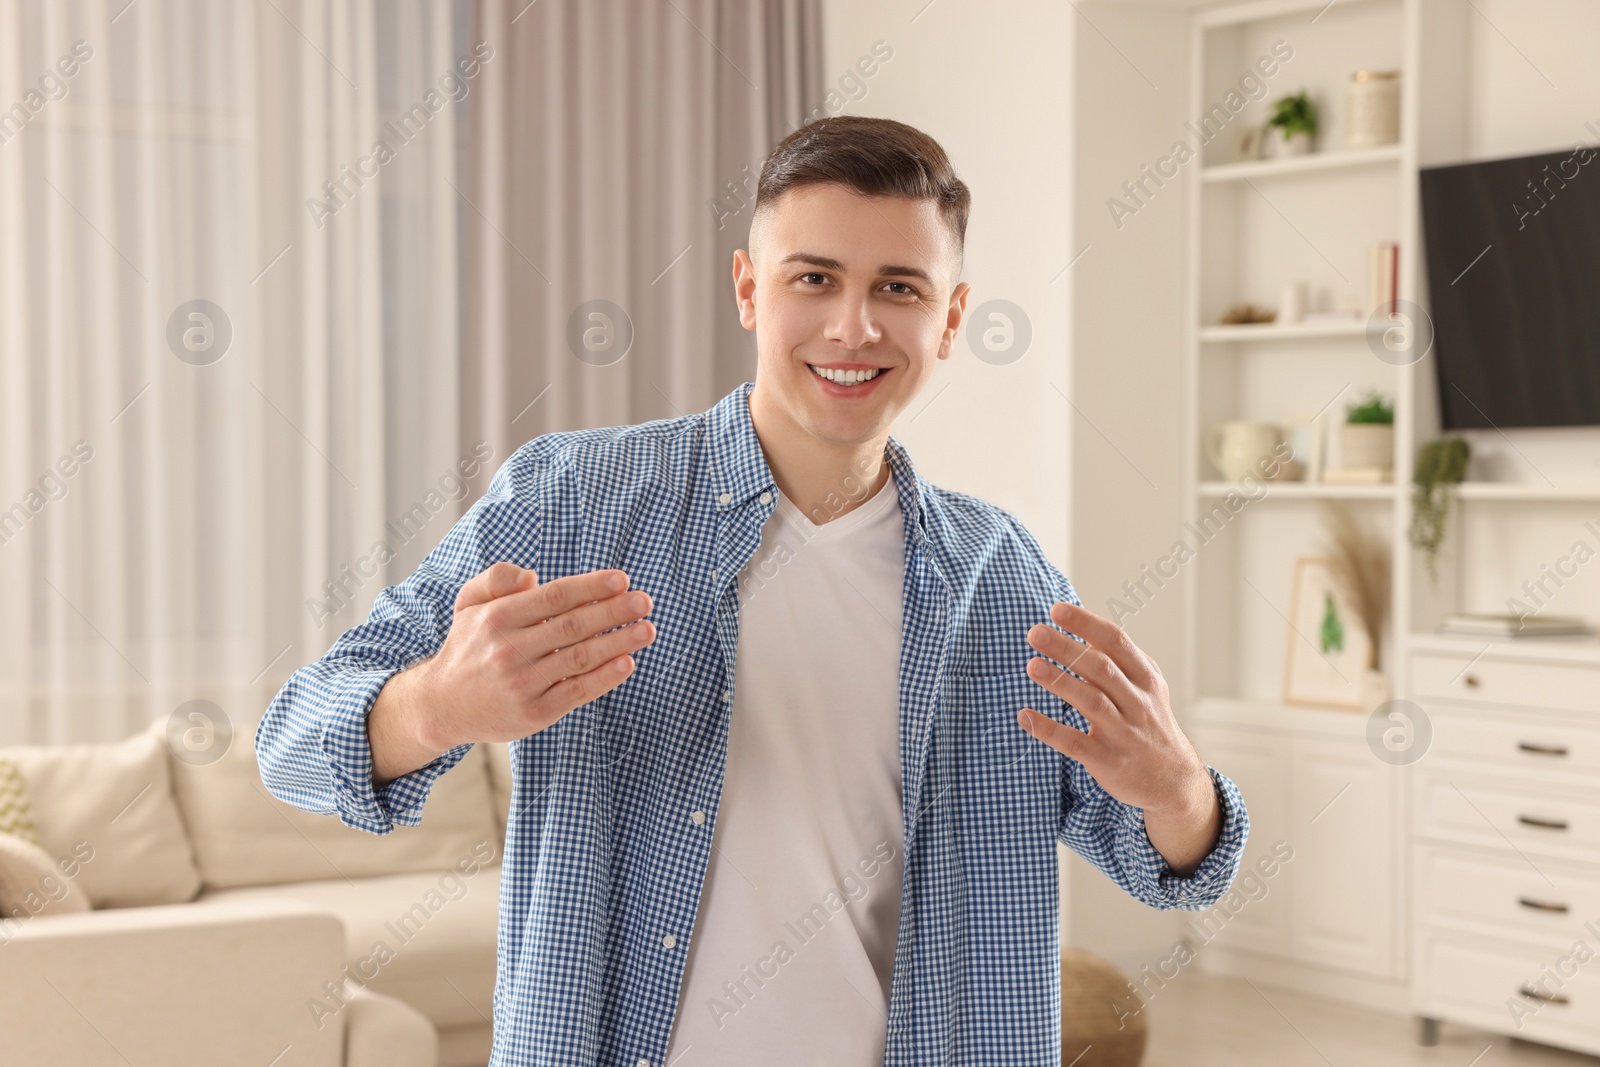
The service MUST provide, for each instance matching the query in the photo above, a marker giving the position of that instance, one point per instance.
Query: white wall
(991, 84)
(1535, 87)
(1132, 81)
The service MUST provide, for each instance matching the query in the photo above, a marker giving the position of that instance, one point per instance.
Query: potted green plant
(1441, 465)
(1295, 117)
(1367, 437)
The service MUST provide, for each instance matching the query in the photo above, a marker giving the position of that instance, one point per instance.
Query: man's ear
(744, 287)
(954, 316)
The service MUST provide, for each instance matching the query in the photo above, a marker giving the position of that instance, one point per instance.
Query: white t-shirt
(792, 950)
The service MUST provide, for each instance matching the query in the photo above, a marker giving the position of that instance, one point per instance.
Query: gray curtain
(612, 160)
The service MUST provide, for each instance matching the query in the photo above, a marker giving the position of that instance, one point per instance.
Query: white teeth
(848, 377)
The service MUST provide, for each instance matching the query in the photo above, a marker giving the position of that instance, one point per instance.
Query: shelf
(1513, 491)
(1258, 10)
(1575, 648)
(1306, 490)
(1270, 332)
(1274, 714)
(1306, 164)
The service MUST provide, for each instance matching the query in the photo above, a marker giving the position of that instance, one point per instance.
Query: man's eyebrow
(834, 264)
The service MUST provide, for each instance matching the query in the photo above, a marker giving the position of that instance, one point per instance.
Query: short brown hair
(873, 156)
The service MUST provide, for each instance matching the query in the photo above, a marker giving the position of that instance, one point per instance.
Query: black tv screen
(1513, 259)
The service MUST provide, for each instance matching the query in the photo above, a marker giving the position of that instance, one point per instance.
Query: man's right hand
(519, 656)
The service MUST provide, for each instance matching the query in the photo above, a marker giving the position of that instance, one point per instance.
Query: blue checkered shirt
(602, 860)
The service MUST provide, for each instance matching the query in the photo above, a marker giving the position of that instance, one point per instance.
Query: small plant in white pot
(1295, 117)
(1367, 437)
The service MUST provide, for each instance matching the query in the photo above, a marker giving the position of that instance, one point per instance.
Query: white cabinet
(1256, 762)
(1506, 840)
(1344, 882)
(1311, 783)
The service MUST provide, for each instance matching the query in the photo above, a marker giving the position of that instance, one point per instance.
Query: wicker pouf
(1100, 1013)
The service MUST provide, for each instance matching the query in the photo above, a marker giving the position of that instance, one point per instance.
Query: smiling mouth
(847, 377)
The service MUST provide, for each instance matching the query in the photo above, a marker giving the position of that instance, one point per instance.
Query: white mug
(1236, 447)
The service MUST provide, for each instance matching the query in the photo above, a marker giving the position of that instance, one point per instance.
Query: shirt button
(725, 499)
(670, 941)
(766, 498)
(726, 696)
(698, 817)
(644, 1063)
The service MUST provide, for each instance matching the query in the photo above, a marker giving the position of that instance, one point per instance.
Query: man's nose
(852, 323)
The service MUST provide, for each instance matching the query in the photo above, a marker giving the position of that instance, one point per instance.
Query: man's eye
(905, 290)
(813, 274)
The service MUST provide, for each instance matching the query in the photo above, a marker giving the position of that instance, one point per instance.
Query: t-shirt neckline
(887, 495)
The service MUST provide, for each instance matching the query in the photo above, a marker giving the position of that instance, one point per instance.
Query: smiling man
(816, 822)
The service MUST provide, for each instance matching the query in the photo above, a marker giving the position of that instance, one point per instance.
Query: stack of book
(1515, 625)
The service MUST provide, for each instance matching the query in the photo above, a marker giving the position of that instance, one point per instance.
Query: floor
(1211, 1021)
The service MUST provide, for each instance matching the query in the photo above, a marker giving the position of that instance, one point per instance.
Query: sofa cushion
(427, 938)
(32, 884)
(110, 806)
(244, 836)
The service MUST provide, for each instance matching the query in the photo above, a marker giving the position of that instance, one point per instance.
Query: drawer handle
(1540, 905)
(1534, 994)
(1542, 750)
(1543, 824)
(1471, 680)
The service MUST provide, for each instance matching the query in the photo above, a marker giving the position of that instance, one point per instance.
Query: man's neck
(825, 481)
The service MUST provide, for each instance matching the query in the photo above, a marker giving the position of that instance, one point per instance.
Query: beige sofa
(197, 919)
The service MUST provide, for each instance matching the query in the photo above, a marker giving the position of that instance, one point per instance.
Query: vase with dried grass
(1359, 565)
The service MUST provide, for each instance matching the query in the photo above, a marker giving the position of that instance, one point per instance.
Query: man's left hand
(1134, 747)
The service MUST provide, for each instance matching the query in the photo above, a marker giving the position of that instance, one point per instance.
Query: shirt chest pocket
(1001, 782)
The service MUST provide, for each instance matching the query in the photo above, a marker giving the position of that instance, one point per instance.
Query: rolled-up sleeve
(1111, 836)
(312, 744)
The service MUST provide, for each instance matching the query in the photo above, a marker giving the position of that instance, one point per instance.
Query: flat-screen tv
(1513, 260)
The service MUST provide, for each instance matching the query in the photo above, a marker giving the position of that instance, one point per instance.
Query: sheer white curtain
(228, 388)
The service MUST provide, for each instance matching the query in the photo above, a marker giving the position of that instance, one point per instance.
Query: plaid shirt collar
(743, 472)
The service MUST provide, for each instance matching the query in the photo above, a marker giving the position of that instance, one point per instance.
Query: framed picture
(1328, 649)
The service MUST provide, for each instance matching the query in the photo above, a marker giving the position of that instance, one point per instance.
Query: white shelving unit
(1400, 894)
(1336, 919)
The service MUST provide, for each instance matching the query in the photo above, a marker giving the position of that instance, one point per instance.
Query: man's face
(841, 281)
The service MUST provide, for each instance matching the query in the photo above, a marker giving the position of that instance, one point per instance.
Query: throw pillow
(31, 883)
(16, 812)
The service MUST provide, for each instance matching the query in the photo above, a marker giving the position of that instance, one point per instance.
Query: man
(816, 822)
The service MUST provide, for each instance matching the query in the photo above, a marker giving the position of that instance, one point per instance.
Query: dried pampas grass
(1358, 565)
